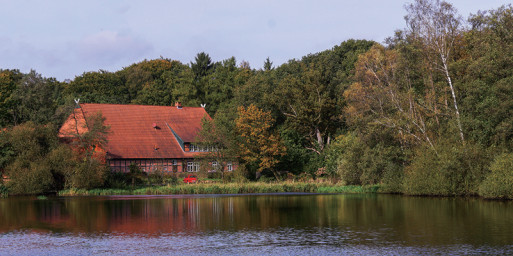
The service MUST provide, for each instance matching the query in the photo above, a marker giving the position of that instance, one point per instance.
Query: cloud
(109, 47)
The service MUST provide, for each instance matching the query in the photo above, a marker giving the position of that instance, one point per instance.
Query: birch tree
(436, 24)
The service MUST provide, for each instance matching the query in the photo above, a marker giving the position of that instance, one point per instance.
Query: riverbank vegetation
(427, 112)
(226, 188)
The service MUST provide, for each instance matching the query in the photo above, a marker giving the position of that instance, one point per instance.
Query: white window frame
(229, 166)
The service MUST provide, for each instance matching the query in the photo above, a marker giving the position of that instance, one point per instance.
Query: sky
(64, 39)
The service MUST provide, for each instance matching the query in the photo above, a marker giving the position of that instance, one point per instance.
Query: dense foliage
(427, 113)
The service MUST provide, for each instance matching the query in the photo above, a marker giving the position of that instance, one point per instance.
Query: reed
(226, 188)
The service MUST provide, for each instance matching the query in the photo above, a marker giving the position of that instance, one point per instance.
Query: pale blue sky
(64, 38)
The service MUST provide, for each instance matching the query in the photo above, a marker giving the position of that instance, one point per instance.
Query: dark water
(284, 224)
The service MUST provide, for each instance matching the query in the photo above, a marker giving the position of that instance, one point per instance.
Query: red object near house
(190, 179)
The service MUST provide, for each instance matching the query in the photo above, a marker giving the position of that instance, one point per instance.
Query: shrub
(88, 174)
(360, 164)
(3, 190)
(347, 165)
(117, 180)
(454, 169)
(156, 178)
(36, 178)
(499, 182)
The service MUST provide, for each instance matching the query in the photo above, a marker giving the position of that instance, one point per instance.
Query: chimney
(178, 105)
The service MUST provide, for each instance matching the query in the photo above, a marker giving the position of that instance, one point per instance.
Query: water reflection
(218, 223)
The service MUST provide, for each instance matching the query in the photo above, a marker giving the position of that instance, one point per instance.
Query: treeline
(430, 112)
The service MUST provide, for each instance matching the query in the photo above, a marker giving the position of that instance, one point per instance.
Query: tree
(88, 146)
(161, 89)
(36, 99)
(384, 95)
(218, 135)
(258, 144)
(268, 65)
(99, 87)
(435, 24)
(310, 106)
(8, 81)
(29, 168)
(487, 77)
(202, 66)
(139, 75)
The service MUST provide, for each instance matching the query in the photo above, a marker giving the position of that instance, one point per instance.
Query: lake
(277, 224)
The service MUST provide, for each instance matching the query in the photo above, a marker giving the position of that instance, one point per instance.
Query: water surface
(255, 225)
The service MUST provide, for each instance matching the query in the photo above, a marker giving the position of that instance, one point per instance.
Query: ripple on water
(286, 241)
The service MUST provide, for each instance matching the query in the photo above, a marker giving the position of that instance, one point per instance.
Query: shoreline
(226, 188)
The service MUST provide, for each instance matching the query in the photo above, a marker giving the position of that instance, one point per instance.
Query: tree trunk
(448, 77)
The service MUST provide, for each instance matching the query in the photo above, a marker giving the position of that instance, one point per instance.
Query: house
(152, 137)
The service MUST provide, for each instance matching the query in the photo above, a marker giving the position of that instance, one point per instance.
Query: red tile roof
(132, 133)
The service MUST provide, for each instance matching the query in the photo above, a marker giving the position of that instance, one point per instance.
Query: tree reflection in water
(286, 220)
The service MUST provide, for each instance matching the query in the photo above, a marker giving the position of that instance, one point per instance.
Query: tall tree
(258, 143)
(268, 65)
(202, 65)
(384, 95)
(436, 25)
(36, 99)
(99, 87)
(8, 81)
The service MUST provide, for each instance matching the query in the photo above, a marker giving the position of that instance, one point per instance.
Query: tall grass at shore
(226, 188)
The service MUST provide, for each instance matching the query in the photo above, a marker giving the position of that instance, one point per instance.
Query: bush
(360, 164)
(87, 175)
(156, 178)
(347, 164)
(36, 178)
(118, 180)
(3, 190)
(499, 182)
(454, 170)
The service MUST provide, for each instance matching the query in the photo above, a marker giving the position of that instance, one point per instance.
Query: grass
(226, 188)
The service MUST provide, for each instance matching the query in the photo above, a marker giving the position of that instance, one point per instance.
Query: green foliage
(37, 163)
(486, 82)
(117, 180)
(29, 170)
(455, 170)
(202, 65)
(359, 164)
(37, 178)
(3, 190)
(347, 163)
(268, 64)
(8, 82)
(162, 83)
(86, 175)
(36, 99)
(228, 188)
(499, 182)
(99, 87)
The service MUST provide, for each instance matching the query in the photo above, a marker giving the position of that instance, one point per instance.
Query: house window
(215, 165)
(229, 166)
(193, 166)
(174, 165)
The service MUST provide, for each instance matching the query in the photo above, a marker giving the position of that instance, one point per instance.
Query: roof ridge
(117, 104)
